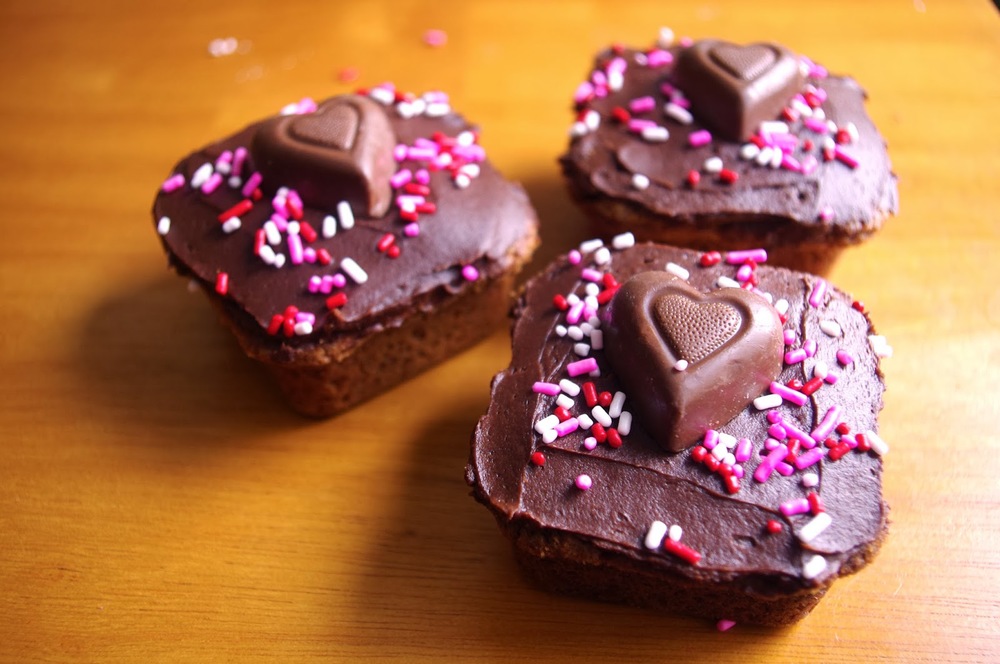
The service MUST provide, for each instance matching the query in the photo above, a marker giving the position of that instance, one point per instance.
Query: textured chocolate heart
(734, 88)
(340, 152)
(730, 339)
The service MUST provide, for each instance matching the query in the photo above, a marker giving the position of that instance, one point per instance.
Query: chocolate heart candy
(340, 152)
(730, 339)
(734, 88)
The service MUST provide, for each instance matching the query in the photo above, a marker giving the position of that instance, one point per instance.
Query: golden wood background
(157, 502)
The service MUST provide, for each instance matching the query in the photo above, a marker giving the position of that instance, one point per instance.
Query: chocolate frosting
(639, 482)
(602, 162)
(729, 341)
(478, 226)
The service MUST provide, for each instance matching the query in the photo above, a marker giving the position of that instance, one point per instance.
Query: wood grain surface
(159, 503)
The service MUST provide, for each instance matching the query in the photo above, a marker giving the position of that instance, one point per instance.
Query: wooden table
(158, 502)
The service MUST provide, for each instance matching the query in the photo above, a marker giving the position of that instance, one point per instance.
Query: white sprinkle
(590, 302)
(713, 165)
(546, 423)
(462, 181)
(561, 330)
(678, 271)
(719, 451)
(641, 59)
(272, 233)
(303, 328)
(353, 270)
(773, 127)
(809, 480)
(201, 175)
(267, 254)
(592, 289)
(852, 131)
(678, 112)
(654, 536)
(232, 225)
(819, 113)
(879, 446)
(640, 181)
(625, 423)
(675, 533)
(729, 459)
(595, 322)
(601, 416)
(597, 339)
(813, 567)
(665, 38)
(235, 181)
(382, 95)
(417, 107)
(565, 401)
(815, 527)
(572, 299)
(655, 134)
(549, 436)
(767, 401)
(615, 80)
(781, 306)
(777, 158)
(727, 282)
(577, 129)
(764, 155)
(437, 109)
(569, 387)
(591, 245)
(586, 328)
(345, 214)
(592, 120)
(820, 370)
(574, 332)
(749, 151)
(602, 256)
(279, 260)
(329, 226)
(680, 365)
(880, 346)
(581, 349)
(163, 226)
(623, 241)
(617, 403)
(727, 440)
(585, 421)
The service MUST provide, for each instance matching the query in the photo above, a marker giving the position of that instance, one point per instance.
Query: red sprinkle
(240, 208)
(693, 178)
(599, 433)
(795, 384)
(815, 503)
(323, 256)
(259, 238)
(605, 295)
(336, 300)
(774, 526)
(614, 439)
(609, 280)
(843, 137)
(840, 450)
(733, 484)
(699, 453)
(222, 283)
(843, 429)
(590, 393)
(858, 306)
(682, 551)
(408, 215)
(711, 462)
(830, 443)
(562, 413)
(427, 207)
(560, 302)
(417, 189)
(307, 232)
(605, 398)
(538, 458)
(728, 176)
(812, 385)
(863, 443)
(385, 242)
(393, 251)
(275, 325)
(710, 258)
(621, 114)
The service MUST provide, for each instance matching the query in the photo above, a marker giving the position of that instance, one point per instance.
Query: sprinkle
(655, 134)
(794, 506)
(603, 255)
(591, 245)
(682, 551)
(788, 393)
(713, 165)
(345, 214)
(583, 482)
(565, 401)
(654, 536)
(601, 416)
(163, 226)
(880, 346)
(173, 183)
(435, 38)
(201, 175)
(810, 480)
(353, 270)
(680, 365)
(767, 401)
(675, 533)
(699, 138)
(813, 567)
(693, 178)
(879, 446)
(744, 448)
(624, 423)
(617, 404)
(231, 225)
(774, 526)
(725, 625)
(336, 300)
(818, 292)
(580, 367)
(740, 257)
(567, 427)
(640, 181)
(845, 158)
(538, 459)
(546, 423)
(470, 273)
(808, 458)
(597, 339)
(581, 349)
(679, 113)
(550, 389)
(642, 104)
(826, 425)
(251, 184)
(222, 283)
(830, 328)
(678, 271)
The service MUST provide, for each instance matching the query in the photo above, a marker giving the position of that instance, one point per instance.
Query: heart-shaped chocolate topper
(734, 88)
(340, 152)
(730, 339)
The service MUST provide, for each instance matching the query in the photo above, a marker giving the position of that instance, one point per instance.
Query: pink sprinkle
(584, 92)
(832, 376)
(744, 448)
(798, 434)
(306, 105)
(725, 625)
(590, 274)
(826, 213)
(617, 65)
(711, 439)
(251, 184)
(809, 164)
(844, 158)
(783, 468)
(817, 292)
(173, 183)
(667, 89)
(844, 357)
(212, 183)
(581, 367)
(309, 255)
(399, 152)
(788, 394)
(338, 280)
(412, 229)
(777, 432)
(637, 125)
(789, 337)
(421, 154)
(816, 125)
(470, 273)
(239, 158)
(808, 458)
(348, 74)
(550, 389)
(314, 284)
(810, 346)
(796, 356)
(400, 178)
(659, 57)
(583, 482)
(574, 257)
(423, 176)
(742, 256)
(575, 313)
(567, 427)
(295, 248)
(642, 104)
(744, 273)
(794, 506)
(790, 163)
(699, 138)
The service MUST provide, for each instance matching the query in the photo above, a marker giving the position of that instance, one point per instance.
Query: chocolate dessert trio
(691, 430)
